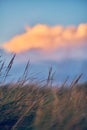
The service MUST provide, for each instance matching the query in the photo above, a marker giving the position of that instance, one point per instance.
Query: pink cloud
(47, 38)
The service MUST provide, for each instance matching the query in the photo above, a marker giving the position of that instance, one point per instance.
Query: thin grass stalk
(50, 77)
(64, 83)
(76, 81)
(24, 78)
(9, 67)
(1, 68)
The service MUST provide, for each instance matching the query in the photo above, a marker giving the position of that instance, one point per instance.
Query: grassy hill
(32, 107)
(36, 106)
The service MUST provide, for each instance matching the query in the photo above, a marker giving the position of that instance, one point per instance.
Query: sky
(49, 33)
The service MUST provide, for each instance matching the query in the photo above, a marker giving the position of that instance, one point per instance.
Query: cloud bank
(47, 38)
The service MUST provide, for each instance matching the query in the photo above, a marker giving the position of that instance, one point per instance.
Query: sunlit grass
(35, 106)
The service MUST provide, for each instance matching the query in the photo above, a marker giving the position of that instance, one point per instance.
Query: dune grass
(35, 106)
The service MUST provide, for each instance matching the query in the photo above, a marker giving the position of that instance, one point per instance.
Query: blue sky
(16, 14)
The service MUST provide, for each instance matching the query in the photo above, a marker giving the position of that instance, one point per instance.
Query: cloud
(48, 38)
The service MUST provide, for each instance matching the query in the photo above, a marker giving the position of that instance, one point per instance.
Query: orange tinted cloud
(47, 38)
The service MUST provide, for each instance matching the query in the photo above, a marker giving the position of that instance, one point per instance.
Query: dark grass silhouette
(36, 106)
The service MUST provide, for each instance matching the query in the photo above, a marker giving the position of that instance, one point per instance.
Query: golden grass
(35, 106)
